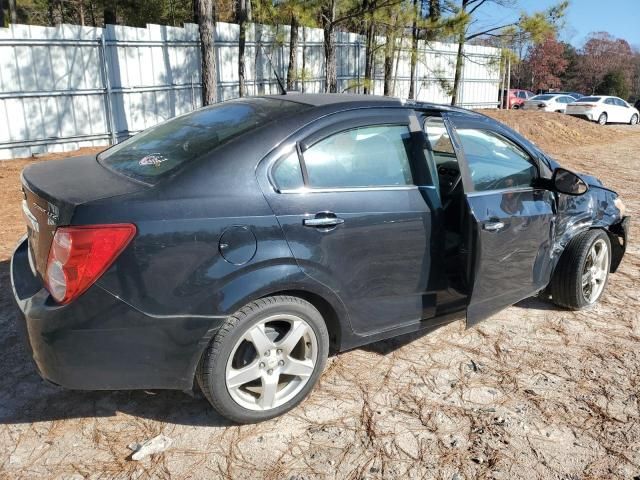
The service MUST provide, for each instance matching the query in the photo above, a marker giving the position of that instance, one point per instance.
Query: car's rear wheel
(634, 119)
(265, 359)
(602, 119)
(582, 272)
(516, 107)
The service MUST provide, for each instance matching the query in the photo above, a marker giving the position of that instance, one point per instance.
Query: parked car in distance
(548, 103)
(637, 105)
(575, 95)
(236, 246)
(516, 98)
(604, 109)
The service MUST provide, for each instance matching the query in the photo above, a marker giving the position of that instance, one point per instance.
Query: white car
(604, 109)
(548, 102)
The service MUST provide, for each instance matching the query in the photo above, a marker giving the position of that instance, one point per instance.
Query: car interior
(458, 233)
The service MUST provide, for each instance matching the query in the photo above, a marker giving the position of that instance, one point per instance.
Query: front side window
(495, 163)
(362, 157)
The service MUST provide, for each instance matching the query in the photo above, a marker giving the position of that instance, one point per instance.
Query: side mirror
(568, 182)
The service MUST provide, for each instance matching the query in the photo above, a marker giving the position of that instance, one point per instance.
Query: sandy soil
(533, 392)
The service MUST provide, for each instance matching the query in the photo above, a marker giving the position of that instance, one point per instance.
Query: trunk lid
(52, 191)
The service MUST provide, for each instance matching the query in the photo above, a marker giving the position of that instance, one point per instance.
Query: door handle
(323, 222)
(493, 226)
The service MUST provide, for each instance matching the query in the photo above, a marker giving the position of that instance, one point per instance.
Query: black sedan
(237, 246)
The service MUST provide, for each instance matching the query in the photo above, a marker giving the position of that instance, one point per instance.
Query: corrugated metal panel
(69, 86)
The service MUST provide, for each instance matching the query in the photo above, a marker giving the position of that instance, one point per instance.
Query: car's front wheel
(582, 271)
(265, 359)
(602, 119)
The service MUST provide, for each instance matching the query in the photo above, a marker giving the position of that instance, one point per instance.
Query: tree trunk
(292, 71)
(330, 70)
(242, 15)
(81, 11)
(459, 66)
(435, 11)
(414, 51)
(207, 52)
(92, 14)
(110, 16)
(368, 62)
(304, 58)
(13, 14)
(389, 51)
(1, 13)
(459, 60)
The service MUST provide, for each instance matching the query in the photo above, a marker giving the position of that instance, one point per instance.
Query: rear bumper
(620, 231)
(584, 116)
(99, 342)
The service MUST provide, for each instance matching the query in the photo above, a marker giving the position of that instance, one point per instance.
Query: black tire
(634, 120)
(516, 107)
(566, 284)
(211, 371)
(603, 118)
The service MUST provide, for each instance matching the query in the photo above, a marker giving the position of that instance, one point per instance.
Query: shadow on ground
(26, 398)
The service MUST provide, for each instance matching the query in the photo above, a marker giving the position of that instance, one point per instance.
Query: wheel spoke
(586, 278)
(240, 376)
(600, 257)
(288, 343)
(269, 390)
(259, 338)
(299, 368)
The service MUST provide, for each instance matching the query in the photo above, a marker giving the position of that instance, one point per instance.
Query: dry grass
(533, 392)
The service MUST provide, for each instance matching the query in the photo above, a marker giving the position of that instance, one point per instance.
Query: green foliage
(614, 83)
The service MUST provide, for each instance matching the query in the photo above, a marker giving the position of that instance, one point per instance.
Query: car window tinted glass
(494, 162)
(543, 97)
(589, 99)
(620, 102)
(161, 150)
(287, 174)
(362, 157)
(439, 151)
(522, 94)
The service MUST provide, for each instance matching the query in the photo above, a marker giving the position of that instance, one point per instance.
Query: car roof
(345, 101)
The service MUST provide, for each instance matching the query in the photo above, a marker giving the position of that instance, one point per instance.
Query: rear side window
(495, 163)
(287, 174)
(362, 157)
(161, 150)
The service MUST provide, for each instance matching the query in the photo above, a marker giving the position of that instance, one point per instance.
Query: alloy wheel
(595, 270)
(272, 362)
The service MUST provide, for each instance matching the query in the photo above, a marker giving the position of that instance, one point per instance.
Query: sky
(621, 18)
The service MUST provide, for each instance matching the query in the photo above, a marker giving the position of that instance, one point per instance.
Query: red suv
(516, 98)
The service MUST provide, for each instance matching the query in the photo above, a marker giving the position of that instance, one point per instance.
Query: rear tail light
(80, 255)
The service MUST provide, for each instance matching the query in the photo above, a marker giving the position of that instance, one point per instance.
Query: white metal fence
(66, 87)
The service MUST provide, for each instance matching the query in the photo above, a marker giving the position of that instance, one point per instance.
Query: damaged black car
(234, 248)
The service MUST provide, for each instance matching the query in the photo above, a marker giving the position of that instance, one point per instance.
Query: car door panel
(513, 226)
(377, 253)
(514, 232)
(377, 261)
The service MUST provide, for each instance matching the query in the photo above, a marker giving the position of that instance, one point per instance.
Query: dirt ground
(533, 392)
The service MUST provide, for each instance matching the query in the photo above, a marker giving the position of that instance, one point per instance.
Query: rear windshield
(161, 150)
(543, 97)
(589, 99)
